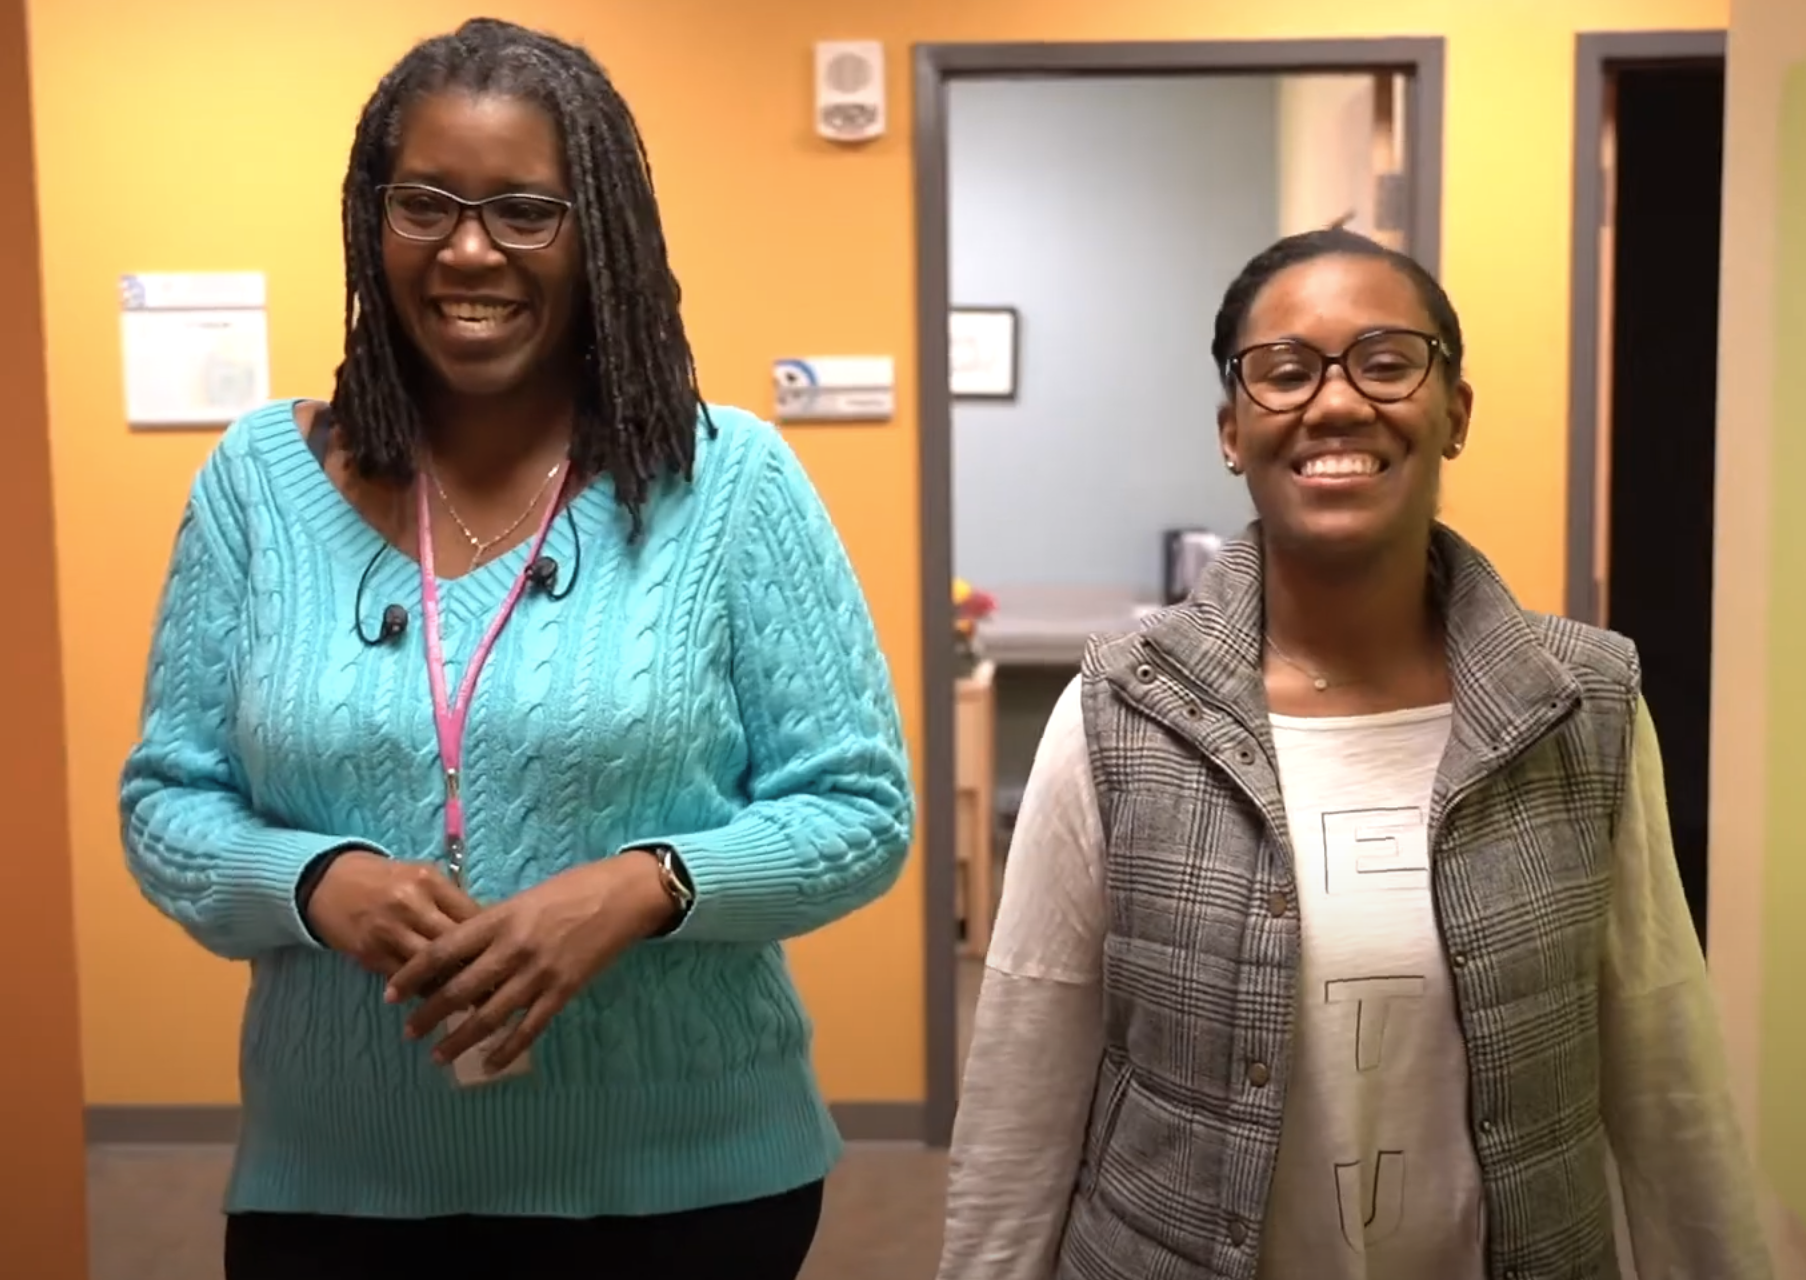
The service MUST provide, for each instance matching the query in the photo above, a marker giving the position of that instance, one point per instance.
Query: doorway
(1648, 197)
(1407, 206)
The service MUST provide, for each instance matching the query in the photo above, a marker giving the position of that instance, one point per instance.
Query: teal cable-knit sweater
(716, 686)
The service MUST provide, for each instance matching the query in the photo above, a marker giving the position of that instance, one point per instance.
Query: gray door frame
(1422, 60)
(1597, 54)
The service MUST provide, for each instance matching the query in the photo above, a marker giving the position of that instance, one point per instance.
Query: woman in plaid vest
(1342, 937)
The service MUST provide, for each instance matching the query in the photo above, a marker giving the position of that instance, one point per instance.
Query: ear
(1461, 412)
(1228, 435)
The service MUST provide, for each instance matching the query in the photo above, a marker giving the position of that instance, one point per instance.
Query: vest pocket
(1151, 1151)
(1113, 1082)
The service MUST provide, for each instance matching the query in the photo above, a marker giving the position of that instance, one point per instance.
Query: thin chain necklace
(481, 546)
(1319, 681)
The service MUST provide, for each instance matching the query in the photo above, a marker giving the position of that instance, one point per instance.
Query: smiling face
(486, 320)
(1342, 477)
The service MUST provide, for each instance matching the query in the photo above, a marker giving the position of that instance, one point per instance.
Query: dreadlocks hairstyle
(638, 403)
(1305, 247)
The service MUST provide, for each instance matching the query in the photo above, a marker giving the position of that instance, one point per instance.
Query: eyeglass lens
(1385, 367)
(512, 221)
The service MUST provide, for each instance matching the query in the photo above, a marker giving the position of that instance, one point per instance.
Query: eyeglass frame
(465, 207)
(1438, 349)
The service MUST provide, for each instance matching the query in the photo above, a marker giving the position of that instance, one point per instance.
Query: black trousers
(757, 1240)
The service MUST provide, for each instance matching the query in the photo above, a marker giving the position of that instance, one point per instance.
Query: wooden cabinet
(974, 771)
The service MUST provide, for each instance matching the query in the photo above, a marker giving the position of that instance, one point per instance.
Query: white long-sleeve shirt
(1038, 1036)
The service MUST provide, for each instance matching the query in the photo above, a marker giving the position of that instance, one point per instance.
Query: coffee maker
(1187, 551)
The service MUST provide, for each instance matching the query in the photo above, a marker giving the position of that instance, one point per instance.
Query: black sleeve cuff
(311, 875)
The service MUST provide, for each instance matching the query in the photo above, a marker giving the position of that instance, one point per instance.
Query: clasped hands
(523, 958)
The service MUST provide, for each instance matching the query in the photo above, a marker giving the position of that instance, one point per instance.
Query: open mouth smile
(1350, 467)
(477, 319)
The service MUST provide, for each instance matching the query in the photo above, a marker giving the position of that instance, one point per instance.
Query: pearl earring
(1234, 467)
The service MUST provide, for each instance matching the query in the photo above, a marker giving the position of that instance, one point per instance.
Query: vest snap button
(1459, 960)
(1258, 1074)
(1486, 1126)
(1144, 673)
(1244, 756)
(1277, 903)
(1238, 1232)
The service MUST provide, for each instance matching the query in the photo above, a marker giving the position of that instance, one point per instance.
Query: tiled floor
(154, 1214)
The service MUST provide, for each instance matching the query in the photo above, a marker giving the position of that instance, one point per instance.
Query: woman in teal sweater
(519, 1005)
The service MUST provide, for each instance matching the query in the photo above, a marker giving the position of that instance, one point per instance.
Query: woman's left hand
(529, 955)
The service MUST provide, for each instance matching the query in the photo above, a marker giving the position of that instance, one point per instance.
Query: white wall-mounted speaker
(849, 90)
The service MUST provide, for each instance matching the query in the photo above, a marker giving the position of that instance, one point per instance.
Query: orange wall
(43, 1188)
(209, 134)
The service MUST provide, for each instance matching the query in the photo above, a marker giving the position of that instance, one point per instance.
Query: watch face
(676, 883)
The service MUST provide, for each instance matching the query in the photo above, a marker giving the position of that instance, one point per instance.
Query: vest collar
(1508, 690)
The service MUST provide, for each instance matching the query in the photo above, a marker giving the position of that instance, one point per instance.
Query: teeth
(485, 314)
(1341, 464)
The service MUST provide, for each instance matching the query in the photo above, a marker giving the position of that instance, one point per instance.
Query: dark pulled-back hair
(637, 403)
(1309, 245)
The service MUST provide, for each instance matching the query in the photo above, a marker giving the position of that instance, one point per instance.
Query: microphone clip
(395, 622)
(542, 574)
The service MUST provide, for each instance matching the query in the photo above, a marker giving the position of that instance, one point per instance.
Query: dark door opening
(1665, 140)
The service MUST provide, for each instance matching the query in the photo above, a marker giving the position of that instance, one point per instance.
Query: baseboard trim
(182, 1126)
(880, 1121)
(174, 1126)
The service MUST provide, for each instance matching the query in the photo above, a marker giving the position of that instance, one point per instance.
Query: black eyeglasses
(415, 211)
(1386, 366)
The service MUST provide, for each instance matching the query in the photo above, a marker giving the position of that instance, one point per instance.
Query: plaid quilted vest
(1201, 957)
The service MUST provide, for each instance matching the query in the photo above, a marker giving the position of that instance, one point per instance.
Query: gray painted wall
(1112, 213)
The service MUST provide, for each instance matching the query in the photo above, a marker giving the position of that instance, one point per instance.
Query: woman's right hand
(381, 912)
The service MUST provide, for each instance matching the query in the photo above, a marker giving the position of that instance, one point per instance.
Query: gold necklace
(480, 546)
(1319, 682)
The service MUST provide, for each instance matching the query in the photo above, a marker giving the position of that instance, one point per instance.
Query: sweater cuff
(263, 900)
(743, 877)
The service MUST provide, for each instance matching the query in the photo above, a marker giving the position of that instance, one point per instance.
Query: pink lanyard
(449, 717)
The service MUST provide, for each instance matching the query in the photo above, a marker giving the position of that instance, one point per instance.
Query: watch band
(675, 879)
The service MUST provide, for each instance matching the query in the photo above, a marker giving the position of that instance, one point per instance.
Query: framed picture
(982, 361)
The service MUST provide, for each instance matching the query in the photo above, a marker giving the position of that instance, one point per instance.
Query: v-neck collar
(326, 515)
